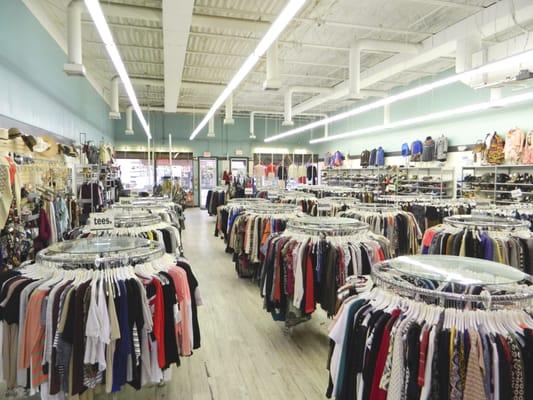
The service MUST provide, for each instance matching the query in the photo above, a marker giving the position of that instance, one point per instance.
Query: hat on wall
(14, 133)
(40, 145)
(29, 141)
(52, 150)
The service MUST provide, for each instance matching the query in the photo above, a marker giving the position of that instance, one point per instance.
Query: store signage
(101, 221)
(248, 191)
(125, 200)
(239, 152)
(207, 154)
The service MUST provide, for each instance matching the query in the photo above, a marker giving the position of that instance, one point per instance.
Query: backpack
(495, 151)
(405, 150)
(372, 160)
(365, 158)
(416, 150)
(380, 157)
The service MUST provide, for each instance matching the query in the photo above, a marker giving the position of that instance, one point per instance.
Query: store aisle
(244, 354)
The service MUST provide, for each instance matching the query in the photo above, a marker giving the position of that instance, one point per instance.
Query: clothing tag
(177, 314)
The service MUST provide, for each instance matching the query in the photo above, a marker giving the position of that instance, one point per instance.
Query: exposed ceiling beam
(292, 44)
(450, 4)
(176, 26)
(318, 21)
(206, 21)
(134, 63)
(250, 24)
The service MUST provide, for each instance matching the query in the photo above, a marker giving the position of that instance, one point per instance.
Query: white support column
(287, 121)
(228, 120)
(252, 125)
(211, 128)
(273, 79)
(170, 157)
(75, 65)
(495, 93)
(114, 113)
(386, 114)
(129, 120)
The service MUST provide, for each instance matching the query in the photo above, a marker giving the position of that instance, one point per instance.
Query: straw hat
(46, 146)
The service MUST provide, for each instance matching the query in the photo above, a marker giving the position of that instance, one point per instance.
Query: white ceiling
(313, 49)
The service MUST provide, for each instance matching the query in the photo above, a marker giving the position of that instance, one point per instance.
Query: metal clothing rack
(100, 252)
(327, 226)
(499, 285)
(486, 223)
(272, 209)
(245, 201)
(140, 219)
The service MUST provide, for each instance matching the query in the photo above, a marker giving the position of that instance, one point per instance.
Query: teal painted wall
(228, 137)
(464, 130)
(34, 88)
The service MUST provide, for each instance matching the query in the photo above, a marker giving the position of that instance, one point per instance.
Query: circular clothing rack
(453, 280)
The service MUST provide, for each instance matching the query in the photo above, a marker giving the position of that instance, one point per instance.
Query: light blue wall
(33, 87)
(228, 137)
(460, 131)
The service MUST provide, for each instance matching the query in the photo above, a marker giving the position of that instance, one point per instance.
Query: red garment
(271, 169)
(276, 296)
(12, 170)
(290, 270)
(302, 179)
(422, 358)
(428, 237)
(159, 323)
(375, 392)
(45, 231)
(309, 283)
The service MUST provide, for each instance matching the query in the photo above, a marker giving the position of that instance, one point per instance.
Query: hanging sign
(239, 152)
(207, 154)
(101, 221)
(248, 191)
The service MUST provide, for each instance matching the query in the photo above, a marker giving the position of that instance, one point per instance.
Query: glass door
(238, 166)
(207, 177)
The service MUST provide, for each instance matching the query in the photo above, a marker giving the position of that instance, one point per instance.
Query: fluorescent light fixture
(93, 6)
(430, 117)
(271, 150)
(492, 66)
(283, 19)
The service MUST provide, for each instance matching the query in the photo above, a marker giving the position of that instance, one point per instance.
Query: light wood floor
(244, 353)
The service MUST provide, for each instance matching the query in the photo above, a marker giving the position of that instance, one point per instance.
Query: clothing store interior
(283, 199)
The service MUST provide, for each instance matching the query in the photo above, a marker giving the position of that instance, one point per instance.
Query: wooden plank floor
(244, 353)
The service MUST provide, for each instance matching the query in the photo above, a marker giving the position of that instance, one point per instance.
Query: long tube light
(283, 19)
(473, 108)
(97, 15)
(490, 67)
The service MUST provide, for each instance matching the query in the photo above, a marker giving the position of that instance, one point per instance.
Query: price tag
(273, 196)
(248, 191)
(516, 193)
(125, 200)
(101, 221)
